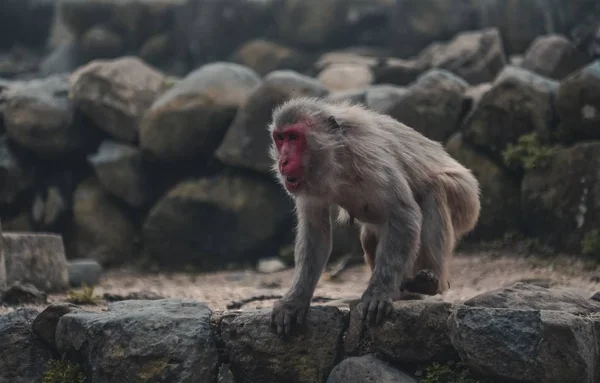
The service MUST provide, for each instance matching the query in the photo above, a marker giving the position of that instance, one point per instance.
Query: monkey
(411, 200)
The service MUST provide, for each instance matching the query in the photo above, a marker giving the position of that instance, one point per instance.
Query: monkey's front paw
(285, 312)
(375, 306)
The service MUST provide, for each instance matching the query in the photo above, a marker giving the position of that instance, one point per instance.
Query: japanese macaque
(413, 201)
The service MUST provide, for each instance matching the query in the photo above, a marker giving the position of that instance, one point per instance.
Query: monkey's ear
(333, 124)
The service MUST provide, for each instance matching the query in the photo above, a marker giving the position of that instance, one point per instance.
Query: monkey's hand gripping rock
(288, 311)
(375, 305)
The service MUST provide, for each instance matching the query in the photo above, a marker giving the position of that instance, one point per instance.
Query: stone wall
(131, 160)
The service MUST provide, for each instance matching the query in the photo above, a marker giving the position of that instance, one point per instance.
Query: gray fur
(412, 200)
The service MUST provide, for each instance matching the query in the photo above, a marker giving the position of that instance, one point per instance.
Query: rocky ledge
(522, 333)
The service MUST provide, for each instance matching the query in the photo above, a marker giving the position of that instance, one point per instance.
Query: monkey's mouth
(292, 182)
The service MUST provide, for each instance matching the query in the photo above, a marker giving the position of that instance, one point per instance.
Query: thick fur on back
(367, 145)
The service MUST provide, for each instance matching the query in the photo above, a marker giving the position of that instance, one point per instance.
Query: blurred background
(137, 129)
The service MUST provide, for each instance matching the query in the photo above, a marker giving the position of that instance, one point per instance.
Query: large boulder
(553, 56)
(114, 94)
(433, 105)
(382, 98)
(209, 222)
(16, 176)
(344, 77)
(500, 194)
(190, 119)
(209, 31)
(265, 56)
(257, 354)
(476, 56)
(414, 332)
(524, 333)
(560, 199)
(519, 102)
(367, 368)
(578, 104)
(102, 229)
(119, 169)
(246, 143)
(418, 23)
(23, 357)
(149, 340)
(40, 116)
(37, 259)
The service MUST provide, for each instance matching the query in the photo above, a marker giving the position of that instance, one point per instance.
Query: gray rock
(225, 374)
(553, 56)
(190, 119)
(382, 98)
(15, 176)
(193, 222)
(270, 265)
(523, 296)
(367, 368)
(475, 56)
(38, 259)
(393, 71)
(344, 77)
(265, 56)
(258, 354)
(246, 143)
(525, 344)
(500, 194)
(23, 358)
(63, 59)
(519, 102)
(578, 105)
(102, 230)
(160, 340)
(44, 325)
(39, 116)
(84, 271)
(20, 294)
(119, 169)
(114, 94)
(559, 197)
(354, 96)
(415, 332)
(436, 120)
(99, 42)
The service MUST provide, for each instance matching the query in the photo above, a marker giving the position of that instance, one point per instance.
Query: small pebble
(270, 265)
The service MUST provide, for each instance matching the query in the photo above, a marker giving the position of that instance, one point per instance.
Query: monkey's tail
(463, 196)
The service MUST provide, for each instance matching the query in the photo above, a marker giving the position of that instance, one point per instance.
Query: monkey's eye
(292, 136)
(279, 136)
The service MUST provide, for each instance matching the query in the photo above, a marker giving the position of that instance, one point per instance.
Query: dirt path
(472, 274)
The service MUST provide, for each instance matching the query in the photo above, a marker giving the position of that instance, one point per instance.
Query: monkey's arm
(399, 240)
(312, 250)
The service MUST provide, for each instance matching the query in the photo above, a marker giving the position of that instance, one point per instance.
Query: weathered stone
(119, 169)
(553, 56)
(44, 325)
(476, 56)
(38, 259)
(63, 59)
(524, 296)
(343, 77)
(84, 271)
(39, 116)
(99, 42)
(136, 295)
(399, 72)
(116, 93)
(191, 118)
(414, 332)
(525, 344)
(102, 230)
(23, 358)
(417, 23)
(561, 200)
(19, 62)
(437, 119)
(270, 265)
(20, 294)
(158, 49)
(15, 176)
(246, 143)
(265, 56)
(160, 340)
(519, 102)
(258, 354)
(353, 95)
(193, 222)
(500, 194)
(382, 98)
(578, 104)
(225, 374)
(367, 368)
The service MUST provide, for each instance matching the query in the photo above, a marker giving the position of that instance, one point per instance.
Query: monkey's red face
(291, 144)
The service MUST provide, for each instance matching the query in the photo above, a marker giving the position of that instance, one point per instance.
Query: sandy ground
(472, 274)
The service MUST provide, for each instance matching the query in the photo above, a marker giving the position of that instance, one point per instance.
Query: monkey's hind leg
(368, 241)
(437, 245)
